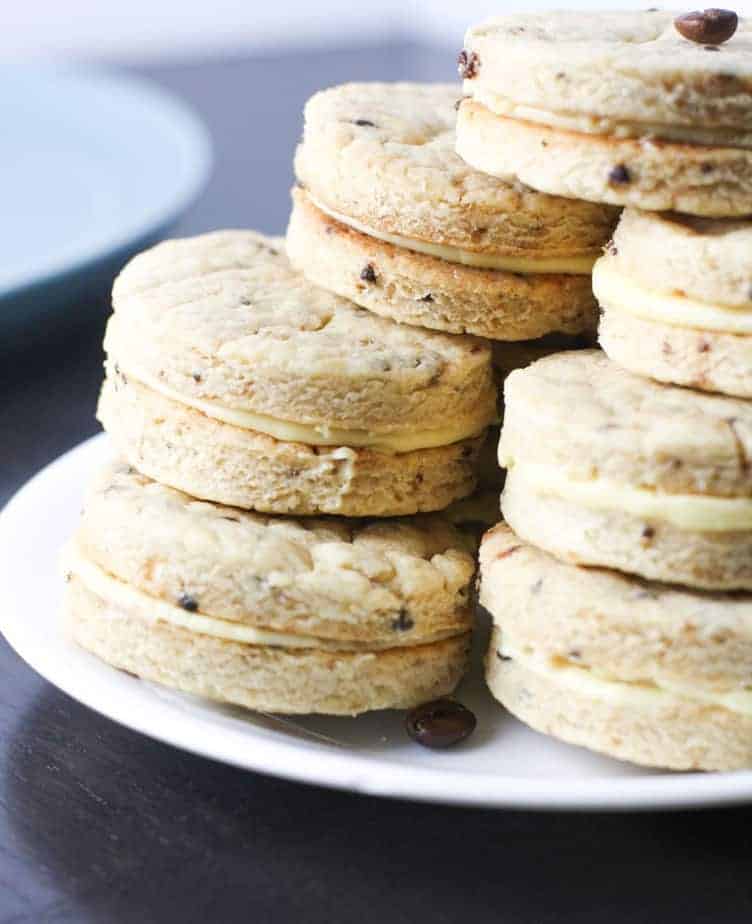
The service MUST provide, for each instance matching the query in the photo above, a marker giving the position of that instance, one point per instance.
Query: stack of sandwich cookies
(232, 378)
(336, 616)
(676, 299)
(646, 672)
(387, 215)
(629, 108)
(647, 478)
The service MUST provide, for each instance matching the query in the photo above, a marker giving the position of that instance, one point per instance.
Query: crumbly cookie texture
(183, 448)
(582, 413)
(384, 155)
(223, 318)
(264, 678)
(620, 66)
(427, 291)
(705, 259)
(677, 734)
(704, 180)
(395, 581)
(621, 626)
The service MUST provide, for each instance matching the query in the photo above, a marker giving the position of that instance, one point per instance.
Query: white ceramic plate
(93, 167)
(502, 764)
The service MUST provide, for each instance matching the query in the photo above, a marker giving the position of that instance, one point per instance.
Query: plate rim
(356, 773)
(187, 130)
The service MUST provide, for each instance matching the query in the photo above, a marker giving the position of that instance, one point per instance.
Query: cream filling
(152, 609)
(312, 434)
(617, 292)
(628, 693)
(605, 125)
(685, 511)
(579, 266)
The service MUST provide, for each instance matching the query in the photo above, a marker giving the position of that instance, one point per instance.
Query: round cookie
(608, 468)
(611, 107)
(426, 291)
(641, 671)
(218, 338)
(646, 173)
(260, 610)
(389, 216)
(616, 73)
(676, 300)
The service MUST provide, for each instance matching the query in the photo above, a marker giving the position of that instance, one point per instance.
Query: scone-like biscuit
(642, 671)
(392, 218)
(611, 107)
(676, 297)
(608, 468)
(259, 610)
(221, 332)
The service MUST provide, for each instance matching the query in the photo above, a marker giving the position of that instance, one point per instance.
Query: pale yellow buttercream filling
(616, 292)
(132, 600)
(578, 266)
(605, 125)
(685, 511)
(649, 694)
(313, 435)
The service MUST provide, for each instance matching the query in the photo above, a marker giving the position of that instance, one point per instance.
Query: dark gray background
(98, 824)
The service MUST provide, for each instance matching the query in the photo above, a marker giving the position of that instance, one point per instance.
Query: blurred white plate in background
(503, 764)
(93, 167)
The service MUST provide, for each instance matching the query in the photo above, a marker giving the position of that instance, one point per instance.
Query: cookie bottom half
(645, 173)
(211, 460)
(654, 549)
(266, 678)
(703, 359)
(426, 291)
(631, 722)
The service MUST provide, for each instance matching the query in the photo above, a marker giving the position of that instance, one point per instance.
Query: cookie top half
(223, 323)
(581, 416)
(381, 582)
(631, 66)
(706, 259)
(383, 155)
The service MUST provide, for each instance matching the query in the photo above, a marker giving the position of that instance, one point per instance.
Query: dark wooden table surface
(98, 824)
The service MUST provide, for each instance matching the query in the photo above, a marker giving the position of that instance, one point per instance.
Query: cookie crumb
(187, 602)
(403, 622)
(468, 64)
(368, 273)
(619, 175)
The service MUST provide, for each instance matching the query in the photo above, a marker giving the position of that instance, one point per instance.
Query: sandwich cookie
(315, 615)
(231, 377)
(608, 468)
(676, 299)
(389, 216)
(612, 107)
(642, 671)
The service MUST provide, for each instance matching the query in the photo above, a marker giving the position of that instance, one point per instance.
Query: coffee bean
(468, 64)
(368, 273)
(707, 27)
(440, 724)
(187, 602)
(619, 175)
